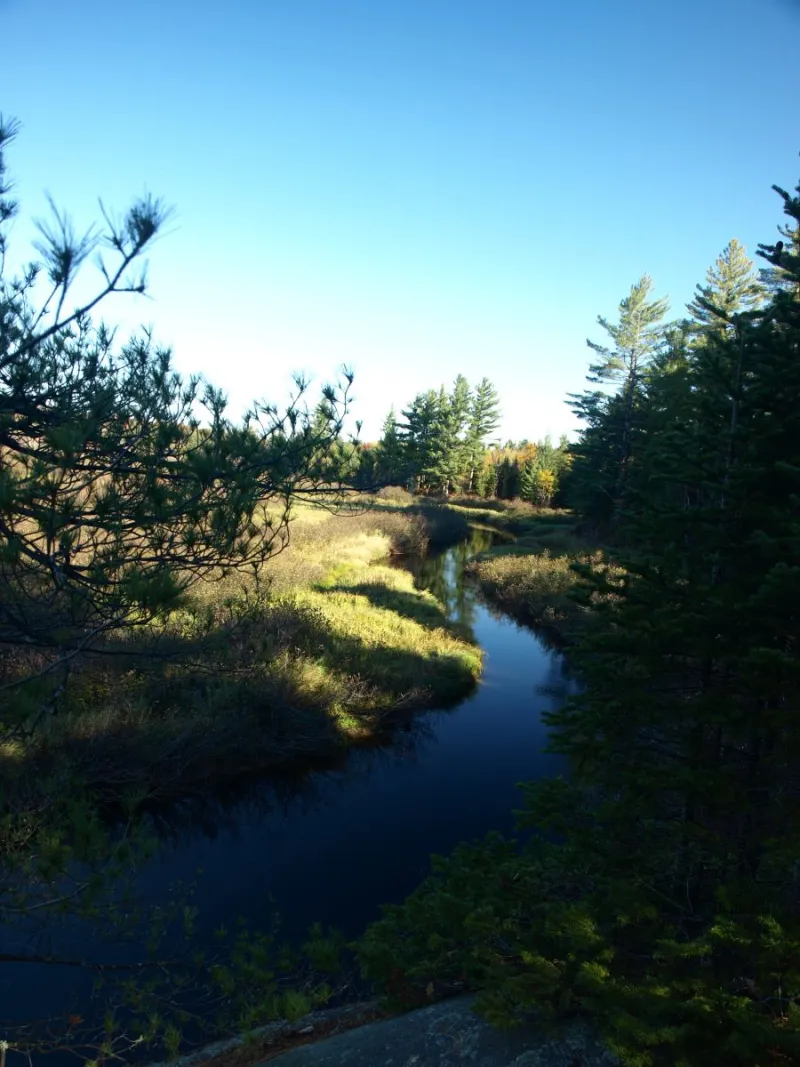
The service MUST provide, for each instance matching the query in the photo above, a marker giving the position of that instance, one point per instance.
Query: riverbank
(333, 839)
(531, 576)
(331, 647)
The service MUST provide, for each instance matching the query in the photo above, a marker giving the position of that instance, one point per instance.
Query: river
(333, 845)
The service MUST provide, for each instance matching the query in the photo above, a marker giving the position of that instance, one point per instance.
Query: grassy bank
(331, 646)
(531, 577)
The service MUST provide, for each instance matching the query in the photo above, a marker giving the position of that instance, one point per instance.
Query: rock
(449, 1034)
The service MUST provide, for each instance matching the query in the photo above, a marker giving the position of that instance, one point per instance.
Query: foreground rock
(449, 1035)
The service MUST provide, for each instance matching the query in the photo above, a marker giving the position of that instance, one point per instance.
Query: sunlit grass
(532, 576)
(329, 648)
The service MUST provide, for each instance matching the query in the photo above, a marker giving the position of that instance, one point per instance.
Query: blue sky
(417, 189)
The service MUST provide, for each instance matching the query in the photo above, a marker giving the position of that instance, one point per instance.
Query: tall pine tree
(731, 287)
(484, 420)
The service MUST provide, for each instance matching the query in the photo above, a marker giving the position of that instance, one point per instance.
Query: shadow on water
(332, 841)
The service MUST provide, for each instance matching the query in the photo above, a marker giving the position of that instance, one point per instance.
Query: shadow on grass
(443, 525)
(427, 612)
(424, 678)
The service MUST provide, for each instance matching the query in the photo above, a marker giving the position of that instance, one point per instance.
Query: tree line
(443, 443)
(649, 369)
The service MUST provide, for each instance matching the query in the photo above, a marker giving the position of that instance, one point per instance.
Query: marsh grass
(532, 577)
(331, 647)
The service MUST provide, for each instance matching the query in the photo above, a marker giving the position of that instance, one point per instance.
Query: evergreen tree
(485, 481)
(447, 447)
(527, 480)
(731, 287)
(660, 890)
(602, 459)
(508, 479)
(459, 418)
(636, 340)
(115, 498)
(421, 437)
(540, 474)
(484, 420)
(593, 484)
(390, 468)
(784, 255)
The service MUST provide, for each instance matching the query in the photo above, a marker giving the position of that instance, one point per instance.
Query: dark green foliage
(440, 443)
(390, 464)
(483, 422)
(607, 452)
(508, 479)
(485, 481)
(663, 897)
(784, 256)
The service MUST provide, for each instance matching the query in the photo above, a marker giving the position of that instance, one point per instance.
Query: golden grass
(532, 577)
(333, 649)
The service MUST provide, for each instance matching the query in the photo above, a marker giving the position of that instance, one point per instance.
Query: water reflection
(443, 574)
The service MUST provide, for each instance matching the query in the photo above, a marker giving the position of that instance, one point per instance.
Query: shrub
(396, 493)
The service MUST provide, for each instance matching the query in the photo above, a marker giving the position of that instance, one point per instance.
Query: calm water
(333, 845)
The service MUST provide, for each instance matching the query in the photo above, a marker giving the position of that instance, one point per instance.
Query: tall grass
(532, 577)
(533, 588)
(329, 647)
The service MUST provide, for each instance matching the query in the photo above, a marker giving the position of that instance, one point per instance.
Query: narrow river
(336, 846)
(333, 845)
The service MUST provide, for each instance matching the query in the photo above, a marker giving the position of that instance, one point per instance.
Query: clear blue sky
(417, 188)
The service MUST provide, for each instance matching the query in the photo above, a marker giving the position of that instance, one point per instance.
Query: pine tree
(593, 484)
(484, 420)
(688, 722)
(660, 892)
(390, 466)
(603, 458)
(421, 437)
(784, 255)
(442, 464)
(731, 287)
(460, 417)
(636, 337)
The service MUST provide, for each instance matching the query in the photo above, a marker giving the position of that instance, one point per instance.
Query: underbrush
(535, 588)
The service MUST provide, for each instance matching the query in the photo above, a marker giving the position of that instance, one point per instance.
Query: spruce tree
(421, 436)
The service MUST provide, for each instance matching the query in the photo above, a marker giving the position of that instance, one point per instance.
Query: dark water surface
(351, 839)
(333, 845)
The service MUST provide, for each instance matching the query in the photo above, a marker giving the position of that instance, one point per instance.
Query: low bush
(396, 493)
